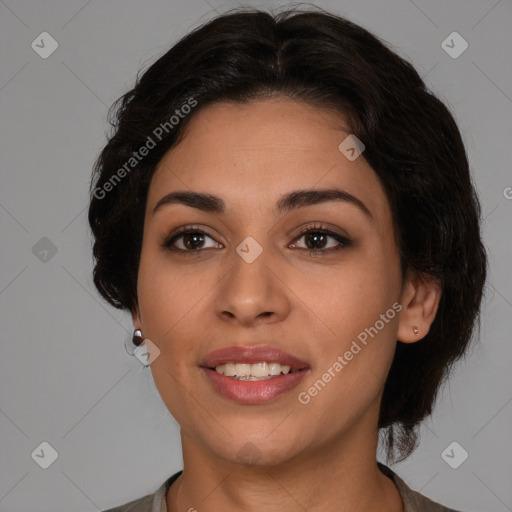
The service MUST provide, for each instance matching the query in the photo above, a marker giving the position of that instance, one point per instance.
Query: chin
(259, 453)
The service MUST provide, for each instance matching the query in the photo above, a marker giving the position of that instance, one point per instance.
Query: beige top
(412, 500)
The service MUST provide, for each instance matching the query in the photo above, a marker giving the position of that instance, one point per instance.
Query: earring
(137, 338)
(415, 330)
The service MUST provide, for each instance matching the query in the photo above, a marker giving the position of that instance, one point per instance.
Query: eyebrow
(293, 200)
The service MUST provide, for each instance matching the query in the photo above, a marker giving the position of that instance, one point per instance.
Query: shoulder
(413, 501)
(420, 503)
(154, 502)
(143, 504)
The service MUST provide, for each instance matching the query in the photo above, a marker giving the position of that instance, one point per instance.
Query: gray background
(65, 375)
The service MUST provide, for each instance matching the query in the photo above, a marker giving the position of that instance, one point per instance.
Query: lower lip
(256, 391)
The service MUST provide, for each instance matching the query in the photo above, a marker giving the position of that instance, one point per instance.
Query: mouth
(253, 375)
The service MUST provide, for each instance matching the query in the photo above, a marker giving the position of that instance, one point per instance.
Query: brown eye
(317, 240)
(192, 240)
(188, 240)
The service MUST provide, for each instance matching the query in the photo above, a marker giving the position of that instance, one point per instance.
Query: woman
(288, 215)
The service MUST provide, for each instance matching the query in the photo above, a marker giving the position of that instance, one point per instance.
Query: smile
(252, 372)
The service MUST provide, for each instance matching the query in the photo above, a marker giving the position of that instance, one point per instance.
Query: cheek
(359, 309)
(354, 357)
(167, 302)
(171, 302)
(353, 297)
(362, 329)
(166, 294)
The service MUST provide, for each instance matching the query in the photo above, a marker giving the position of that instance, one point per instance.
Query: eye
(191, 240)
(316, 239)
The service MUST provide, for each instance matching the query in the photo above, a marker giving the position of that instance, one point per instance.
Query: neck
(341, 475)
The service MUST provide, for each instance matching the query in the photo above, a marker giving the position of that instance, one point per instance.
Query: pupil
(316, 236)
(188, 237)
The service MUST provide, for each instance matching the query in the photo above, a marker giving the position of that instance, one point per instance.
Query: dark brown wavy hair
(412, 143)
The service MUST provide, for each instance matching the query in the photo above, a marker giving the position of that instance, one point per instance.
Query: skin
(320, 456)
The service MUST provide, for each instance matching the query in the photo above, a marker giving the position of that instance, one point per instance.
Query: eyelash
(313, 228)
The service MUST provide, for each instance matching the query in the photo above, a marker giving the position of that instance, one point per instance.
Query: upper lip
(251, 355)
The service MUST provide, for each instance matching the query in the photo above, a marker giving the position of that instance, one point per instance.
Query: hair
(411, 141)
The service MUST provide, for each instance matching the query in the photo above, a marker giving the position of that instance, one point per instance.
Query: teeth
(256, 371)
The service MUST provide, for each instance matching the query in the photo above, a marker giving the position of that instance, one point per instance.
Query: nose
(253, 293)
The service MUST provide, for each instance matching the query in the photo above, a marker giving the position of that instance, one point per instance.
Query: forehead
(254, 152)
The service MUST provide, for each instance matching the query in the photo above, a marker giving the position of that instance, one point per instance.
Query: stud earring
(415, 330)
(137, 338)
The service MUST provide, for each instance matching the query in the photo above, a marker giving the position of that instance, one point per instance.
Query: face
(318, 279)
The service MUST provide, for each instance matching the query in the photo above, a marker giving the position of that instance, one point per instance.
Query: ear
(421, 294)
